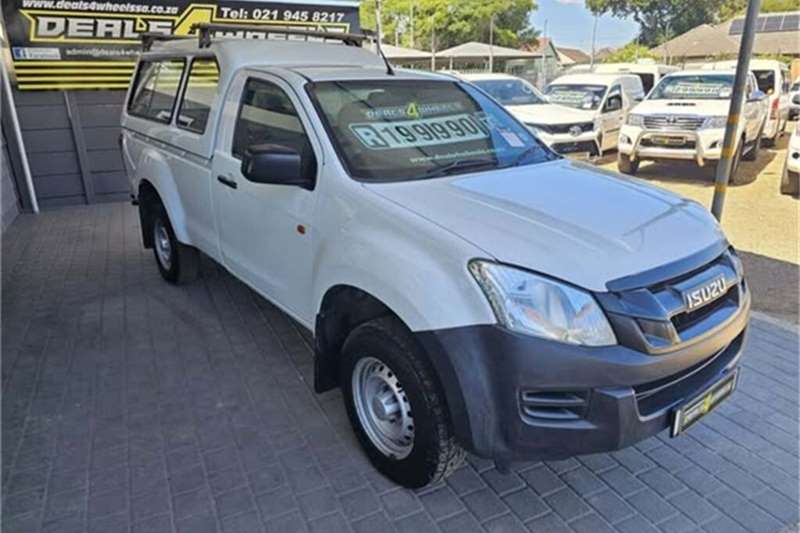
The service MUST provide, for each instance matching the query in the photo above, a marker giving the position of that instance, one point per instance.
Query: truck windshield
(511, 92)
(577, 96)
(396, 130)
(699, 87)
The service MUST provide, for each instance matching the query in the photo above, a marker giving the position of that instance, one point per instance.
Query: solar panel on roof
(791, 22)
(773, 23)
(768, 24)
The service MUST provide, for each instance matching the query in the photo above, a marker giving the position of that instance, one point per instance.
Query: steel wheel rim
(162, 244)
(383, 408)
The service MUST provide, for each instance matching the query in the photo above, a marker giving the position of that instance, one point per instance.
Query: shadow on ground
(775, 286)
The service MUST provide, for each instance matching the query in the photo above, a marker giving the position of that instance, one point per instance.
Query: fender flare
(155, 170)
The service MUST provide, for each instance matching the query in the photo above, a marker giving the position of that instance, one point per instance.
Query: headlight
(715, 123)
(535, 305)
(635, 120)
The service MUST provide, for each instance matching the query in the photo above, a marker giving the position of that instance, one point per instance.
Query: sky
(569, 23)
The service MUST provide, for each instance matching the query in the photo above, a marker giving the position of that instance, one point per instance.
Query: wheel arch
(345, 307)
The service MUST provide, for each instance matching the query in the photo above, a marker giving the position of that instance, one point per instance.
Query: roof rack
(150, 37)
(204, 30)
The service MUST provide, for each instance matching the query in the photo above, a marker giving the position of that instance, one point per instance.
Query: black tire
(434, 453)
(626, 166)
(790, 183)
(770, 143)
(184, 261)
(752, 154)
(736, 177)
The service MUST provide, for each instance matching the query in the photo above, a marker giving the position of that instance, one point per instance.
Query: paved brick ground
(132, 405)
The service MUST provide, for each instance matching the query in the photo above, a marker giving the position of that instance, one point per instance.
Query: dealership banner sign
(93, 44)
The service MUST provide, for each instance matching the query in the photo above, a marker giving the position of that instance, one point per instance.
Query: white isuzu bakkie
(684, 117)
(467, 288)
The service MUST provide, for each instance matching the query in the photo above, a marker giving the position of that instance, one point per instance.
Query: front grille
(684, 321)
(655, 318)
(563, 128)
(553, 406)
(673, 122)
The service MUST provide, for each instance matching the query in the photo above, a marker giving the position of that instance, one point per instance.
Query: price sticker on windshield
(419, 132)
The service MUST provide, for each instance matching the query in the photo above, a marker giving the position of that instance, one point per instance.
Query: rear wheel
(626, 165)
(790, 183)
(177, 262)
(395, 405)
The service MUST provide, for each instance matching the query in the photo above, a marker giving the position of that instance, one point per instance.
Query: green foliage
(661, 20)
(452, 22)
(629, 54)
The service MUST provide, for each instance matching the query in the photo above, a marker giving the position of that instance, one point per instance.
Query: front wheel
(626, 165)
(396, 406)
(737, 177)
(752, 155)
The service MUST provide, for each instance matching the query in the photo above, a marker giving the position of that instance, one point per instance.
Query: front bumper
(517, 397)
(699, 145)
(566, 144)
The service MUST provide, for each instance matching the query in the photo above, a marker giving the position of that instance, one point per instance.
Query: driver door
(612, 116)
(266, 230)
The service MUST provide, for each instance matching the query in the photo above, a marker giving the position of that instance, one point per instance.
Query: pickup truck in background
(684, 117)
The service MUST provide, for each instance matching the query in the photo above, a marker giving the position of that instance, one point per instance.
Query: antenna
(379, 51)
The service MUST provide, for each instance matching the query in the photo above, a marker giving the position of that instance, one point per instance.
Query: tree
(661, 20)
(449, 23)
(629, 54)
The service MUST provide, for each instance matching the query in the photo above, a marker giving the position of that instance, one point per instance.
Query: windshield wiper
(460, 164)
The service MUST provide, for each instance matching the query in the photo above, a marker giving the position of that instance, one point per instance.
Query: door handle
(228, 182)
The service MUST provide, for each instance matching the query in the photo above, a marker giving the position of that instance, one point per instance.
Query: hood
(683, 107)
(551, 114)
(563, 218)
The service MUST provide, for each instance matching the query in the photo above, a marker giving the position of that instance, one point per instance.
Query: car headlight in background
(542, 307)
(715, 123)
(635, 120)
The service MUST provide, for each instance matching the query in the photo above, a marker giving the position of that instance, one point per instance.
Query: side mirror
(614, 103)
(276, 164)
(757, 96)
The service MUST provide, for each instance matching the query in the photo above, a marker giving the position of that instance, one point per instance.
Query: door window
(614, 101)
(156, 88)
(267, 116)
(201, 88)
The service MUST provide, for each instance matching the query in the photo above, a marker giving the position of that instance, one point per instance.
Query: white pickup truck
(684, 117)
(466, 287)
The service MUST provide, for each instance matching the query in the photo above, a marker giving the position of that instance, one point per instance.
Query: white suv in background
(684, 117)
(772, 78)
(587, 112)
(794, 100)
(790, 179)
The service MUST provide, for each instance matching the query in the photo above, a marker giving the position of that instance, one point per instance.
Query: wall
(9, 199)
(72, 143)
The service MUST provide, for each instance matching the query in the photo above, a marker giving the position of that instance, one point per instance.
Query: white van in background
(647, 70)
(772, 77)
(587, 112)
